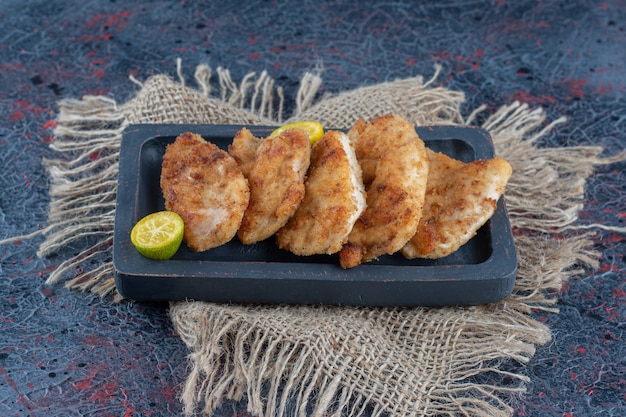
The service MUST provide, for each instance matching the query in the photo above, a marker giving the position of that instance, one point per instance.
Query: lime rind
(314, 129)
(158, 235)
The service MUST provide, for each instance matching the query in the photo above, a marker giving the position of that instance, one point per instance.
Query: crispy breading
(460, 198)
(334, 198)
(276, 179)
(206, 187)
(395, 169)
(243, 148)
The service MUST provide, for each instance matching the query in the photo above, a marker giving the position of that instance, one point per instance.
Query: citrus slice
(158, 235)
(314, 129)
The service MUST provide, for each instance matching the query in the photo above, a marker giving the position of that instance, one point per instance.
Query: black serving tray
(481, 271)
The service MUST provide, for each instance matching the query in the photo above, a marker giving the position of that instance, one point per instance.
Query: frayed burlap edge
(291, 359)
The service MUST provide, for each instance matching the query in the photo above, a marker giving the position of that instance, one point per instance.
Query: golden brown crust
(460, 198)
(243, 149)
(332, 200)
(276, 179)
(422, 203)
(206, 187)
(395, 169)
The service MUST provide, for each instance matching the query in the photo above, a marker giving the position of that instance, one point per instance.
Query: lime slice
(314, 129)
(158, 235)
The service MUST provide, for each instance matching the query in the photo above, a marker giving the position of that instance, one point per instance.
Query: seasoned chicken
(243, 148)
(206, 187)
(334, 198)
(275, 176)
(460, 198)
(395, 169)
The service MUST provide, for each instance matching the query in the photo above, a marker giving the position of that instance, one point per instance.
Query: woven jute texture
(321, 360)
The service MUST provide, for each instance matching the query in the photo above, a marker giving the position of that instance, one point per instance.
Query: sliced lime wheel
(158, 235)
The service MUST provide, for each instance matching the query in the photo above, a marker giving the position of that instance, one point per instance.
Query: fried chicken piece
(460, 198)
(381, 135)
(395, 169)
(334, 198)
(243, 148)
(276, 179)
(205, 186)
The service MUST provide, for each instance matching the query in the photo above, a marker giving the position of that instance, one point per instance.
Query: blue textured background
(65, 354)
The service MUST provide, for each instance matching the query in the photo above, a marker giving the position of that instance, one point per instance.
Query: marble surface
(65, 353)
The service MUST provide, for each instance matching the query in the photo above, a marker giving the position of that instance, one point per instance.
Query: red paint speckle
(14, 66)
(116, 21)
(95, 340)
(168, 392)
(526, 97)
(608, 337)
(84, 383)
(20, 397)
(608, 267)
(50, 124)
(613, 314)
(604, 89)
(95, 155)
(85, 38)
(575, 87)
(94, 20)
(619, 293)
(99, 61)
(255, 55)
(105, 392)
(23, 105)
(16, 115)
(129, 410)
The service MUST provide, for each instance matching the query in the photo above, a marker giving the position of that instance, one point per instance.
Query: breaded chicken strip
(460, 198)
(333, 200)
(276, 180)
(205, 186)
(243, 148)
(395, 170)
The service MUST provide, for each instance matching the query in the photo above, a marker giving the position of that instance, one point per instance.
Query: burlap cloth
(296, 360)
